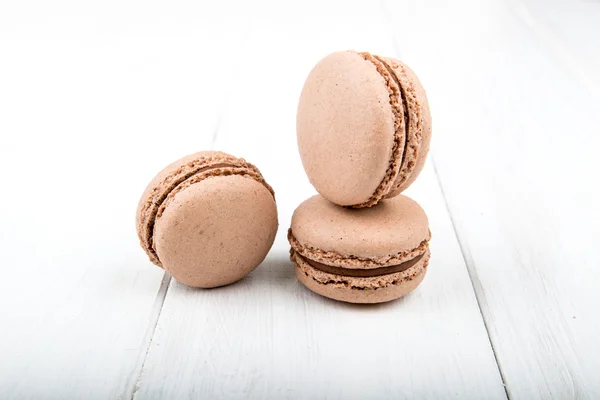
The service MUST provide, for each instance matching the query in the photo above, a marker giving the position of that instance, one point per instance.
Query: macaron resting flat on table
(363, 128)
(208, 219)
(369, 255)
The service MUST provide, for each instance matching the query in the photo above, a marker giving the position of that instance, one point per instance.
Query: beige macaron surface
(208, 219)
(369, 255)
(363, 128)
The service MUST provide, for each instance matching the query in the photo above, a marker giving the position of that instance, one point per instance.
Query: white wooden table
(95, 98)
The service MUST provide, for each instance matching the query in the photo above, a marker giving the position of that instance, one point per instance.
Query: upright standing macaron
(371, 255)
(208, 219)
(363, 127)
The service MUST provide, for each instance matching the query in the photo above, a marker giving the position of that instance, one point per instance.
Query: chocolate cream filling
(363, 273)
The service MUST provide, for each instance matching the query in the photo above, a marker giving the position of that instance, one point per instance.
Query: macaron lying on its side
(363, 128)
(370, 255)
(208, 219)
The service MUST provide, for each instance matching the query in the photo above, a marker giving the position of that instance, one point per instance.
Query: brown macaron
(208, 219)
(363, 128)
(371, 255)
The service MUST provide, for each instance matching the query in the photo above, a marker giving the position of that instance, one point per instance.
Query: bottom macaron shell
(216, 231)
(377, 289)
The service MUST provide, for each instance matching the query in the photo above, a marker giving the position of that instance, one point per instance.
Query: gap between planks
(136, 375)
(471, 271)
(133, 383)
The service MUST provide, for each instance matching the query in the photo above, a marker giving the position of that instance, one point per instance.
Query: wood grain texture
(93, 102)
(517, 161)
(269, 337)
(568, 31)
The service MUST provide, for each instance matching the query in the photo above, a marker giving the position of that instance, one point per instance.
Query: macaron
(371, 255)
(208, 219)
(363, 128)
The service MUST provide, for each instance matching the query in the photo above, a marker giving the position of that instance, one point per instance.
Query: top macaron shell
(394, 231)
(164, 183)
(208, 219)
(216, 231)
(345, 142)
(360, 125)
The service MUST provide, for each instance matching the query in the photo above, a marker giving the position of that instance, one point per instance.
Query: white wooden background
(95, 98)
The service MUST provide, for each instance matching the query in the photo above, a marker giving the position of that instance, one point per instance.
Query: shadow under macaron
(276, 278)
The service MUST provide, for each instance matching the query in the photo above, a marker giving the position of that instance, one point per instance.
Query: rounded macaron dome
(363, 128)
(370, 255)
(208, 219)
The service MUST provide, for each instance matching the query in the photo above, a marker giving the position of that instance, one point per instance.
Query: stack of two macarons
(363, 130)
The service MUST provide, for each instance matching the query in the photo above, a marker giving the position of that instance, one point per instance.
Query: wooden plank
(269, 337)
(569, 32)
(94, 101)
(517, 161)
